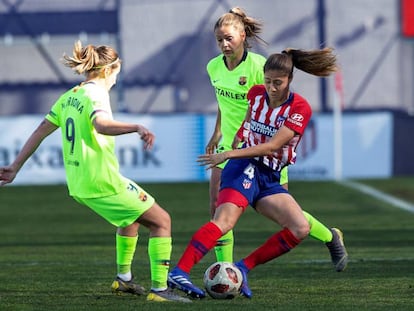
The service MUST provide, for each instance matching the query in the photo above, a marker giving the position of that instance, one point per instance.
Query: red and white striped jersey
(265, 121)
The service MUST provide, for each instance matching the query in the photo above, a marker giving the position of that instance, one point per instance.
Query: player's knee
(158, 220)
(165, 221)
(303, 230)
(224, 226)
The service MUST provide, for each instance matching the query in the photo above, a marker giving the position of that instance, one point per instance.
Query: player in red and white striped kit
(263, 121)
(273, 127)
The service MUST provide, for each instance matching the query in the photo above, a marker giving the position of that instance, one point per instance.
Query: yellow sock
(125, 250)
(224, 247)
(318, 230)
(159, 251)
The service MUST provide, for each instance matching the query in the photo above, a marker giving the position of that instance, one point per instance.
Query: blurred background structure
(363, 116)
(165, 45)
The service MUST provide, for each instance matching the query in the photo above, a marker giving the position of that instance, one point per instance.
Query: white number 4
(249, 171)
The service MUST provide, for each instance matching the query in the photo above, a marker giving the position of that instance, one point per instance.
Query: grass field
(58, 255)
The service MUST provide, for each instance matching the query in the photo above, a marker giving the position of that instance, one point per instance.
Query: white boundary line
(379, 195)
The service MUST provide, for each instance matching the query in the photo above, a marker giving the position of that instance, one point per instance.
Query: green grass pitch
(58, 255)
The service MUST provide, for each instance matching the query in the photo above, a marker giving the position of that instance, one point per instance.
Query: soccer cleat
(339, 255)
(165, 296)
(180, 280)
(120, 287)
(244, 288)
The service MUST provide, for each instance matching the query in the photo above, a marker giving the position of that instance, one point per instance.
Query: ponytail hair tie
(107, 65)
(235, 13)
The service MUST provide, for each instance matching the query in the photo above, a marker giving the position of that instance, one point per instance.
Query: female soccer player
(272, 129)
(232, 74)
(84, 115)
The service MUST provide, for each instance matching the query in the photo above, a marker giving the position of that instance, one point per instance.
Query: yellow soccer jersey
(231, 87)
(92, 169)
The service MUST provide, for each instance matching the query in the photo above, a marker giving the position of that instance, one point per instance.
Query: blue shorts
(251, 179)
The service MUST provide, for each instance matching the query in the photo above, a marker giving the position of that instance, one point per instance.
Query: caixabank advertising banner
(364, 148)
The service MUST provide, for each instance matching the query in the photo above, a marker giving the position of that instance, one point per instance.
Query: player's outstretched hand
(7, 175)
(213, 144)
(147, 137)
(211, 160)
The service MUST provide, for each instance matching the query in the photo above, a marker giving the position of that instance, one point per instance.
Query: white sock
(125, 276)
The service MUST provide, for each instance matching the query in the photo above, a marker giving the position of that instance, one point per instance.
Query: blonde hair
(89, 59)
(238, 18)
(320, 63)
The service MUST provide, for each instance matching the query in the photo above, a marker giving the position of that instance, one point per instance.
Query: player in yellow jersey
(84, 116)
(232, 74)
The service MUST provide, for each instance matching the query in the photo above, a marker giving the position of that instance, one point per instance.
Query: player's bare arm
(242, 133)
(216, 136)
(106, 126)
(278, 140)
(8, 173)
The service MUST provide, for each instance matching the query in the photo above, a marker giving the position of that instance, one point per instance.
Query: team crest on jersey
(247, 184)
(242, 80)
(142, 196)
(279, 121)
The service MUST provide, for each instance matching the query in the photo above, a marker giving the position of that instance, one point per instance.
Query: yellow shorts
(121, 209)
(284, 176)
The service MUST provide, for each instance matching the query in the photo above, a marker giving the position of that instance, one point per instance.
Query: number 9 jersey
(92, 169)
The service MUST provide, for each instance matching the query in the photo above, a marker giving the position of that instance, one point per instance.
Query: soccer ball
(222, 280)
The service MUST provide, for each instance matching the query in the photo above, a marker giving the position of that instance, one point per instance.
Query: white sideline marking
(379, 195)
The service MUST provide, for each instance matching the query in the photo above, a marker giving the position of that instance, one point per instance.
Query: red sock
(278, 244)
(202, 241)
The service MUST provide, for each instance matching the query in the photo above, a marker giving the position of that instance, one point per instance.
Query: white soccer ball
(223, 280)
